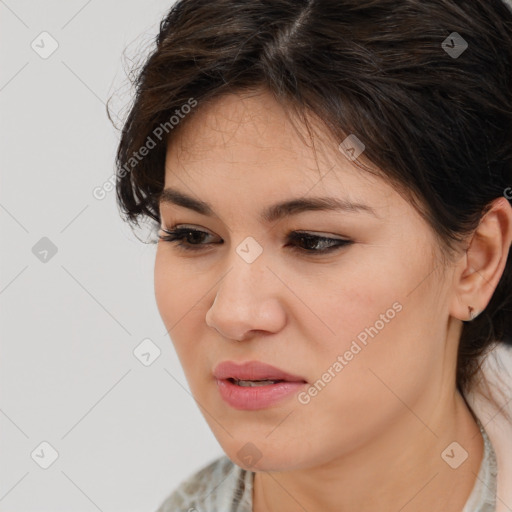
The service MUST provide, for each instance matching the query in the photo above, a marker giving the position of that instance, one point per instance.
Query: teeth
(250, 383)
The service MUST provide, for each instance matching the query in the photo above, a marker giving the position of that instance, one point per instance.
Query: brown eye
(315, 244)
(189, 239)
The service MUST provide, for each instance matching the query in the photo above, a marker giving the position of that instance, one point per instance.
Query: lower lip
(256, 397)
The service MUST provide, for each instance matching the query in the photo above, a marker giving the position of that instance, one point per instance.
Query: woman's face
(365, 325)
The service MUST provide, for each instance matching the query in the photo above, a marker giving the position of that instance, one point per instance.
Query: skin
(382, 423)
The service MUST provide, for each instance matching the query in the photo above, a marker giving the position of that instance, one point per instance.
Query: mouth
(253, 373)
(255, 385)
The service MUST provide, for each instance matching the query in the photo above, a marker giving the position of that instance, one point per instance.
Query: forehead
(249, 143)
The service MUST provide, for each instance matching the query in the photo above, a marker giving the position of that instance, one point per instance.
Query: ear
(479, 270)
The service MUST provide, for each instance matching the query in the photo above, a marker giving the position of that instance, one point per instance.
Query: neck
(400, 470)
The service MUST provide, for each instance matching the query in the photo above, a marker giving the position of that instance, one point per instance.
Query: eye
(301, 242)
(315, 244)
(193, 238)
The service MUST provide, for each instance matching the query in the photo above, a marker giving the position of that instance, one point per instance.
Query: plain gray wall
(126, 434)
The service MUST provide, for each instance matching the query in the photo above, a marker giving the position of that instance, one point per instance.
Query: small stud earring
(472, 313)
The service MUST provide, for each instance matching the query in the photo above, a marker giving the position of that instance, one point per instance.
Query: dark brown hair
(437, 124)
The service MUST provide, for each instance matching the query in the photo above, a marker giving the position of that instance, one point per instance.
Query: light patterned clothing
(483, 496)
(222, 486)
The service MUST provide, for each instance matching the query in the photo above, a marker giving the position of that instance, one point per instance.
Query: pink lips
(257, 397)
(253, 370)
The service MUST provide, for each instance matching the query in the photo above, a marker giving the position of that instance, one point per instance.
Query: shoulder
(220, 485)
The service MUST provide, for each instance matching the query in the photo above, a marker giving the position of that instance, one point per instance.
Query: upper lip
(253, 370)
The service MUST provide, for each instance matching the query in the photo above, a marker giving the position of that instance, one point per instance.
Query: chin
(264, 456)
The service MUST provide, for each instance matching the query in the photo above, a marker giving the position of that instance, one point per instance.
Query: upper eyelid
(180, 227)
(299, 232)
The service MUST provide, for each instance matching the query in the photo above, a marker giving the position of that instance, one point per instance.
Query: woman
(330, 182)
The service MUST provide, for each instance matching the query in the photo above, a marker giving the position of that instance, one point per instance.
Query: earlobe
(480, 269)
(472, 313)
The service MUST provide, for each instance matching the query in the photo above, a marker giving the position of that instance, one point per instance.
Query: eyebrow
(273, 212)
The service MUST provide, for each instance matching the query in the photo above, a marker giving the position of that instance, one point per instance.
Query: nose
(247, 301)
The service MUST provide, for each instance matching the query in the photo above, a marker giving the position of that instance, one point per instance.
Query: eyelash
(179, 234)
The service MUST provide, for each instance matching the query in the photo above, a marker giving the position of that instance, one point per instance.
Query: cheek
(360, 388)
(178, 286)
(358, 300)
(375, 336)
(381, 291)
(166, 284)
(178, 296)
